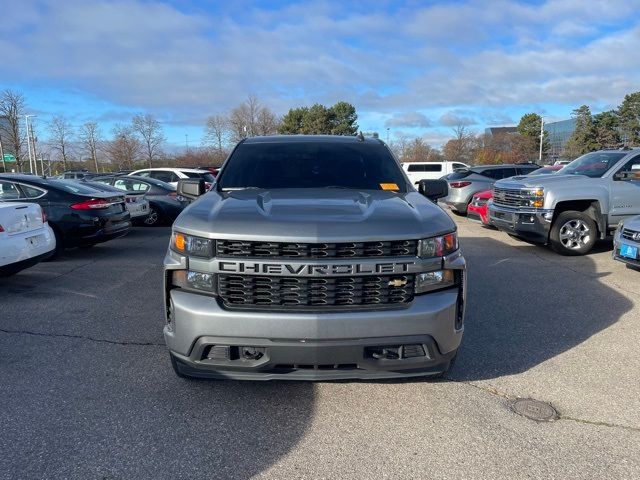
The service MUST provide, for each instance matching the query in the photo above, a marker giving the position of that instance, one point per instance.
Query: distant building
(491, 131)
(558, 133)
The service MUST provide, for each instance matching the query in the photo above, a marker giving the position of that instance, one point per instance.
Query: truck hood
(314, 215)
(542, 180)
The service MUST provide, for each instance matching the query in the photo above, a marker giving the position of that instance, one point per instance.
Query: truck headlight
(438, 246)
(192, 280)
(191, 245)
(429, 281)
(536, 197)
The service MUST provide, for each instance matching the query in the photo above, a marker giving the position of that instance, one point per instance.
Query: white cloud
(408, 119)
(397, 63)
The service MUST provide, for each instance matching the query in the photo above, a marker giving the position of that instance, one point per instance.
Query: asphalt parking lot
(88, 391)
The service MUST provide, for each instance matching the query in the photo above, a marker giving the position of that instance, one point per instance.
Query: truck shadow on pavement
(88, 390)
(527, 305)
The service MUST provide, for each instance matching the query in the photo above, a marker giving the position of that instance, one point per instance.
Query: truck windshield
(360, 166)
(592, 165)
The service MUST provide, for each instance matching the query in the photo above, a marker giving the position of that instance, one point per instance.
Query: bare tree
(90, 137)
(250, 119)
(60, 137)
(216, 132)
(125, 149)
(150, 132)
(12, 106)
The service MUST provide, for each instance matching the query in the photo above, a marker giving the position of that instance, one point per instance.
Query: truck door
(625, 192)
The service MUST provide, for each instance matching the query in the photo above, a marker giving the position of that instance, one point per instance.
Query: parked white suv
(172, 175)
(417, 171)
(25, 237)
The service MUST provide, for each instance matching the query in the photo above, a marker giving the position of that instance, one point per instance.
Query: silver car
(466, 183)
(626, 242)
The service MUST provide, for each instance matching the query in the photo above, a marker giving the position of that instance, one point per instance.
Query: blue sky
(417, 68)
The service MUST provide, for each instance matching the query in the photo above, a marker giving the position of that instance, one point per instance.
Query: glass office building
(558, 133)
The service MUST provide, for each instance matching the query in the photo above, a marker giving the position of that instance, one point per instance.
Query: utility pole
(541, 140)
(31, 160)
(186, 140)
(35, 154)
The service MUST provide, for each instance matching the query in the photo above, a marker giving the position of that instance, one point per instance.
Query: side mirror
(191, 188)
(433, 189)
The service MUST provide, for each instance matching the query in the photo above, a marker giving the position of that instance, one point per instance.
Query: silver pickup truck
(313, 257)
(570, 210)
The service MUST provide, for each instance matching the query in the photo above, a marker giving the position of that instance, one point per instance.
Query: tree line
(141, 141)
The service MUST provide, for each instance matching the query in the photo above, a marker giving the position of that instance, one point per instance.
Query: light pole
(541, 140)
(26, 122)
(387, 135)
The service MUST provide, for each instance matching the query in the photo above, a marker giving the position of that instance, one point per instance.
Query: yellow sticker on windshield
(389, 186)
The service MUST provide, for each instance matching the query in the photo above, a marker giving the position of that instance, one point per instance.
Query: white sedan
(25, 237)
(171, 175)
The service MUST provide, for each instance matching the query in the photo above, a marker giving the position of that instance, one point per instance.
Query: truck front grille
(240, 248)
(510, 197)
(314, 293)
(628, 234)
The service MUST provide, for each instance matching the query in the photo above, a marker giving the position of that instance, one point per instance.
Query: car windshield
(543, 171)
(593, 165)
(361, 166)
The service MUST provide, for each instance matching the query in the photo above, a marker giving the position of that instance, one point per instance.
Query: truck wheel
(573, 233)
(176, 368)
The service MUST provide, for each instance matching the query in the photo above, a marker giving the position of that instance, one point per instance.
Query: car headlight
(192, 246)
(438, 246)
(192, 280)
(536, 197)
(429, 281)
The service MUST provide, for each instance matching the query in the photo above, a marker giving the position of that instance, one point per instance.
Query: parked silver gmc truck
(573, 208)
(313, 257)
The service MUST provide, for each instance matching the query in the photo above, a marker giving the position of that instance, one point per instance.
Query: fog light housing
(192, 280)
(436, 280)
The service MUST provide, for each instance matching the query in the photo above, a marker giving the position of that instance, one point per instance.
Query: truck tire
(573, 233)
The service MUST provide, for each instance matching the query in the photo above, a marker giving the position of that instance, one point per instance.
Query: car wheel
(573, 233)
(154, 218)
(176, 368)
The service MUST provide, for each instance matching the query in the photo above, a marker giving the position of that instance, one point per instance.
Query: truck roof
(356, 139)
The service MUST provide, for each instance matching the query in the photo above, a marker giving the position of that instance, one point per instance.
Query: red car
(477, 209)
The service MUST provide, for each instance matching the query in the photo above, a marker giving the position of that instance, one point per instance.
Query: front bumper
(479, 213)
(534, 224)
(617, 243)
(315, 345)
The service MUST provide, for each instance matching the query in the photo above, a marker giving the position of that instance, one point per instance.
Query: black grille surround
(288, 250)
(315, 294)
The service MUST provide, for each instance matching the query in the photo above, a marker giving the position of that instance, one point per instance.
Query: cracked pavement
(88, 392)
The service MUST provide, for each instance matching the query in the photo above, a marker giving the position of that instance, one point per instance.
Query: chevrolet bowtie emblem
(398, 282)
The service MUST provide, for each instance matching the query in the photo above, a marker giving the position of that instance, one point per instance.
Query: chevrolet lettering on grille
(315, 269)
